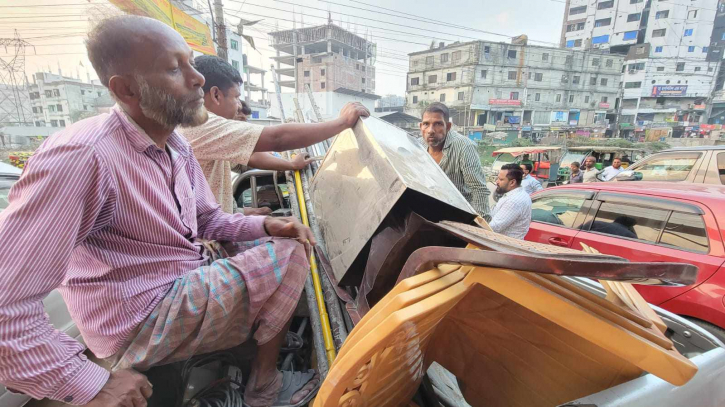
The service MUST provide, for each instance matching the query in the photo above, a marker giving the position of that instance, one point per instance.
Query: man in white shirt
(529, 183)
(612, 171)
(512, 214)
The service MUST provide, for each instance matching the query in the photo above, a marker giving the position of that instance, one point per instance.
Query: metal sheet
(365, 173)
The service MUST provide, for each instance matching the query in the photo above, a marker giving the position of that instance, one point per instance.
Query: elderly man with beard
(223, 143)
(109, 211)
(512, 214)
(456, 155)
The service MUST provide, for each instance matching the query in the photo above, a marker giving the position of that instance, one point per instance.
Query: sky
(56, 28)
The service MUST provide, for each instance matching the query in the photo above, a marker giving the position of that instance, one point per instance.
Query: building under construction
(326, 57)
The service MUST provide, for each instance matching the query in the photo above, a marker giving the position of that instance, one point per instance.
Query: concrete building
(325, 57)
(329, 103)
(670, 71)
(521, 89)
(59, 101)
(256, 93)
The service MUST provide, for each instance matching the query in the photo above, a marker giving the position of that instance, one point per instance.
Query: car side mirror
(629, 175)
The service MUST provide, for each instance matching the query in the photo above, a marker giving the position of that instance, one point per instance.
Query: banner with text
(669, 90)
(504, 102)
(196, 33)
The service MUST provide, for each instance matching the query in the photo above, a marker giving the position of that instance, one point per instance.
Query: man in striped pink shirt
(109, 212)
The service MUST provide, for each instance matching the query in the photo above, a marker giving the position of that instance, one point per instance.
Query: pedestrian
(590, 171)
(613, 170)
(529, 183)
(222, 142)
(456, 155)
(512, 214)
(576, 176)
(123, 247)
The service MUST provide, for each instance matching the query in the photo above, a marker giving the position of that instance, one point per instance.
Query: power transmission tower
(14, 96)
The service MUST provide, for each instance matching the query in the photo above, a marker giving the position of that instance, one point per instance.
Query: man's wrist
(264, 225)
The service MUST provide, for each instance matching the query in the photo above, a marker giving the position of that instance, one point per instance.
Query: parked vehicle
(699, 165)
(649, 222)
(604, 156)
(544, 159)
(53, 303)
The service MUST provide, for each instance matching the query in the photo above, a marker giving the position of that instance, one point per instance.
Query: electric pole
(221, 30)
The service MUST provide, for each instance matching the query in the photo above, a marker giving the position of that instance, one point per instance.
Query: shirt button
(68, 399)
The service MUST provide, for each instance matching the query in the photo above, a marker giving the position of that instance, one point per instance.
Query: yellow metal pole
(319, 296)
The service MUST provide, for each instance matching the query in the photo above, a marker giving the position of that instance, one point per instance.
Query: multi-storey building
(59, 101)
(669, 73)
(517, 87)
(325, 57)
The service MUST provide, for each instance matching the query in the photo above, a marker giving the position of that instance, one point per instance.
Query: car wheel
(718, 332)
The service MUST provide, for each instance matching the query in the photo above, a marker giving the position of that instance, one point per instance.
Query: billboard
(504, 102)
(669, 90)
(196, 33)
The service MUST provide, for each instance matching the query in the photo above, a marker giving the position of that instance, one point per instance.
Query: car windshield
(5, 185)
(502, 159)
(571, 157)
(671, 167)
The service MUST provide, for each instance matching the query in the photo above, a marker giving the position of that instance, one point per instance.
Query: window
(514, 96)
(35, 109)
(658, 49)
(723, 37)
(558, 98)
(660, 69)
(235, 44)
(586, 99)
(632, 85)
(565, 78)
(537, 98)
(56, 92)
(569, 59)
(357, 67)
(429, 61)
(595, 62)
(634, 17)
(610, 63)
(685, 231)
(414, 81)
(605, 99)
(461, 95)
(59, 108)
(322, 85)
(307, 74)
(538, 77)
(630, 35)
(580, 26)
(61, 123)
(486, 49)
(635, 1)
(668, 167)
(721, 166)
(680, 66)
(483, 74)
(692, 14)
(602, 39)
(629, 221)
(662, 14)
(593, 81)
(444, 58)
(697, 69)
(637, 67)
(705, 49)
(54, 123)
(603, 81)
(688, 32)
(451, 76)
(605, 5)
(659, 33)
(577, 10)
(556, 210)
(443, 97)
(322, 72)
(415, 99)
(512, 75)
(691, 49)
(545, 56)
(571, 98)
(511, 54)
(432, 78)
(456, 56)
(51, 108)
(603, 22)
(85, 107)
(83, 92)
(99, 93)
(363, 80)
(576, 79)
(316, 60)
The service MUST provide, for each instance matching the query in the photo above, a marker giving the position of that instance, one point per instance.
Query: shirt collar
(140, 140)
(513, 191)
(447, 143)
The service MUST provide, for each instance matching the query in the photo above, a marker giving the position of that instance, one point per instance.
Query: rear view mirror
(629, 176)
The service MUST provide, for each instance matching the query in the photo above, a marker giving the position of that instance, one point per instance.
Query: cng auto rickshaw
(544, 160)
(604, 156)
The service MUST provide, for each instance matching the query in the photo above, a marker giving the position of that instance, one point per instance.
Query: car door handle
(557, 241)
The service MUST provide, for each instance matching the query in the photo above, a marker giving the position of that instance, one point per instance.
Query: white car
(53, 303)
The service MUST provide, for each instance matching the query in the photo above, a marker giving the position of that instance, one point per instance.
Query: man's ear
(448, 126)
(215, 94)
(125, 89)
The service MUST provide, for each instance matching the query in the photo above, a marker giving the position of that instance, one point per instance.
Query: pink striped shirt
(110, 219)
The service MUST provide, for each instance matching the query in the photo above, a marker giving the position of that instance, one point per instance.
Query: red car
(646, 221)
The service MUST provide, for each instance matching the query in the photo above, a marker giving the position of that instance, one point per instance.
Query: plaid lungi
(253, 289)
